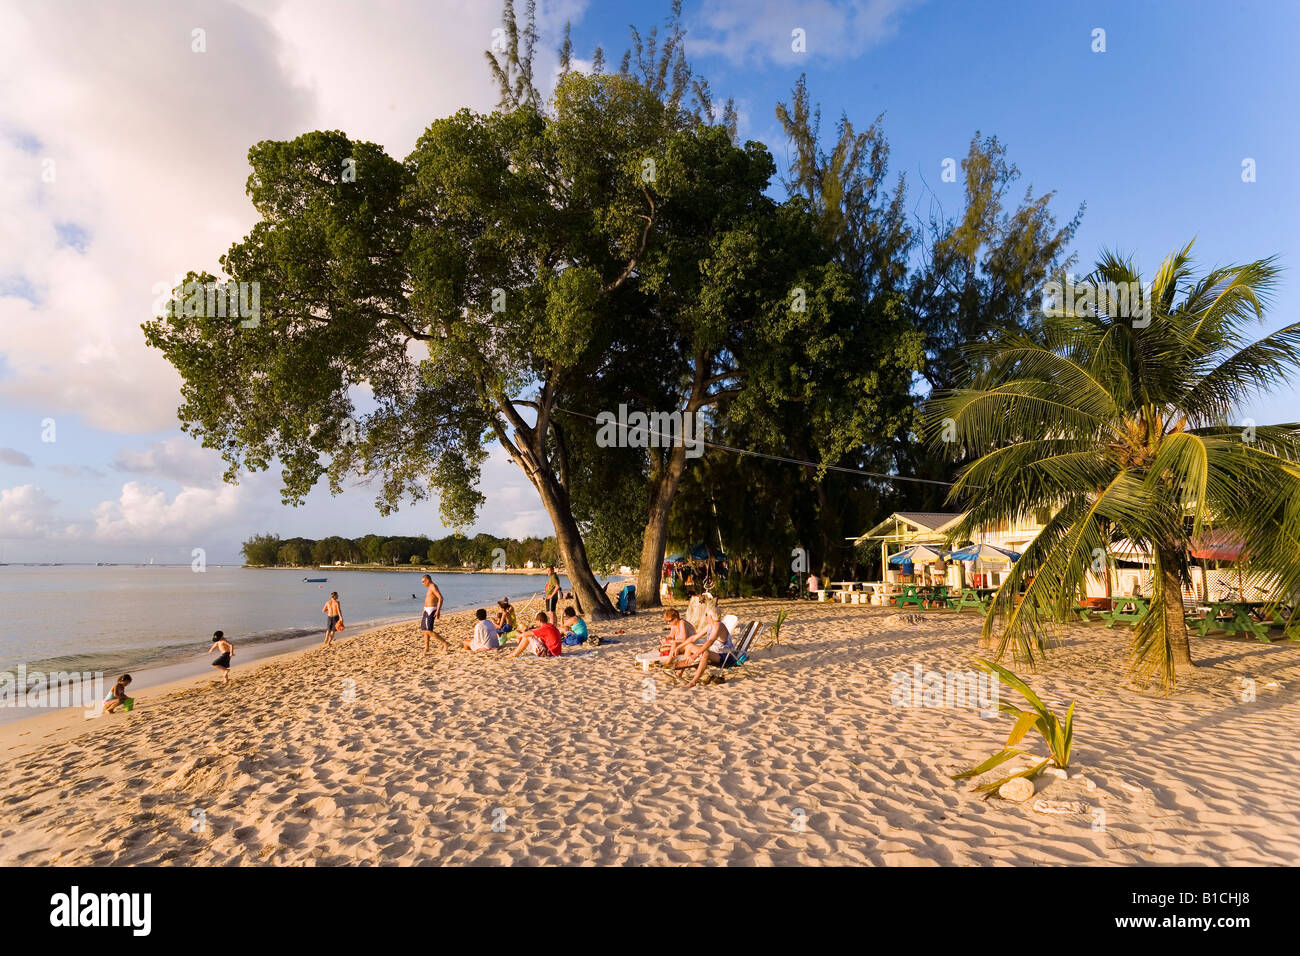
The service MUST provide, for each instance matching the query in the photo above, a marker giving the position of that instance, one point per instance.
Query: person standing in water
(222, 663)
(432, 611)
(333, 617)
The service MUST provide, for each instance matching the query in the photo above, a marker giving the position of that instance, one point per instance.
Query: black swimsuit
(223, 660)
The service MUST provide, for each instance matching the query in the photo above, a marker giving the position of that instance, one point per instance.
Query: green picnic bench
(972, 597)
(1120, 613)
(911, 595)
(1235, 617)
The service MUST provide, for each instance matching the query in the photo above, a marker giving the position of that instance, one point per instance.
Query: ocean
(123, 618)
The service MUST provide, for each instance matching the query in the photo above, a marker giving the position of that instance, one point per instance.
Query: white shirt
(484, 638)
(722, 644)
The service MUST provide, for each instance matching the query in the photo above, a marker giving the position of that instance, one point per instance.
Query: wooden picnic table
(973, 597)
(1237, 616)
(1120, 610)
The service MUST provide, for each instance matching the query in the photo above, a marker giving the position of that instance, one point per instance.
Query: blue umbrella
(984, 552)
(917, 552)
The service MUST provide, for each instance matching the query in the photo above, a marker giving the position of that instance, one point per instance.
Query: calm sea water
(122, 618)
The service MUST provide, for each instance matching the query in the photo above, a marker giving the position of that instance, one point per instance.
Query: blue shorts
(426, 620)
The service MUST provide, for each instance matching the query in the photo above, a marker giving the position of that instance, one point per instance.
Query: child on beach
(222, 663)
(484, 637)
(543, 639)
(117, 698)
(575, 628)
(333, 617)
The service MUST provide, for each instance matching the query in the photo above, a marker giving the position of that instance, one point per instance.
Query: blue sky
(1151, 134)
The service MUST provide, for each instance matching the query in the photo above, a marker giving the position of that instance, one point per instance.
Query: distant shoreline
(421, 569)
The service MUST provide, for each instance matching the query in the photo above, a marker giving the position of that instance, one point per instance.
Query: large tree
(1115, 419)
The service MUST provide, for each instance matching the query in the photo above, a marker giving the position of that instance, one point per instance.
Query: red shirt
(549, 635)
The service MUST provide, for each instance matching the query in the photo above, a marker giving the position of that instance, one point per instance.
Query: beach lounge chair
(627, 599)
(741, 654)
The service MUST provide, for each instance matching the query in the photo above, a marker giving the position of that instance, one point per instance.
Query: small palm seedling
(775, 631)
(1057, 734)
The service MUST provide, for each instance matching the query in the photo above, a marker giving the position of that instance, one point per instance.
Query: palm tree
(1116, 422)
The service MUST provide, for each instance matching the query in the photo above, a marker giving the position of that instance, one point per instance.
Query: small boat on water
(315, 580)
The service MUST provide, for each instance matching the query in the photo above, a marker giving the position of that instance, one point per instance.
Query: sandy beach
(371, 752)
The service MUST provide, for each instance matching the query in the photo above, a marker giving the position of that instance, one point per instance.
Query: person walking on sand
(432, 611)
(333, 617)
(222, 663)
(552, 597)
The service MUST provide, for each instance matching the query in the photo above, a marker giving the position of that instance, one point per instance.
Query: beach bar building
(933, 529)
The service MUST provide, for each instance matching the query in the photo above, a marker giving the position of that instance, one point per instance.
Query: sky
(124, 136)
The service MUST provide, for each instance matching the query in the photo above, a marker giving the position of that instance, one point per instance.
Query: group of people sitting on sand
(545, 638)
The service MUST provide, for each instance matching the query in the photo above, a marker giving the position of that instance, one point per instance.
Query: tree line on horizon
(452, 551)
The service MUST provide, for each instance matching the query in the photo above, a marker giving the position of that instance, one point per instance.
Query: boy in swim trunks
(333, 617)
(432, 611)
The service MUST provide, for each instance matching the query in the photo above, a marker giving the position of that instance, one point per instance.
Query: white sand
(798, 758)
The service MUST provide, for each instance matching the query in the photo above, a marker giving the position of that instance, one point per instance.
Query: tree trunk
(650, 573)
(573, 552)
(1175, 622)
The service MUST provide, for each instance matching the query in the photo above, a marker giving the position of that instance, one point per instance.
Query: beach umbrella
(916, 553)
(984, 552)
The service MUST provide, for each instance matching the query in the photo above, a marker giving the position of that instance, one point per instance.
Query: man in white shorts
(432, 611)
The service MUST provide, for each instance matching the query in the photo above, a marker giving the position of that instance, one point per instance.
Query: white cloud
(27, 512)
(143, 513)
(178, 458)
(763, 30)
(12, 456)
(149, 142)
(79, 472)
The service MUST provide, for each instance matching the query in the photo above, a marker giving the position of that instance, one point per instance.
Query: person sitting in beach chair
(679, 635)
(714, 647)
(543, 639)
(117, 698)
(484, 637)
(575, 629)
